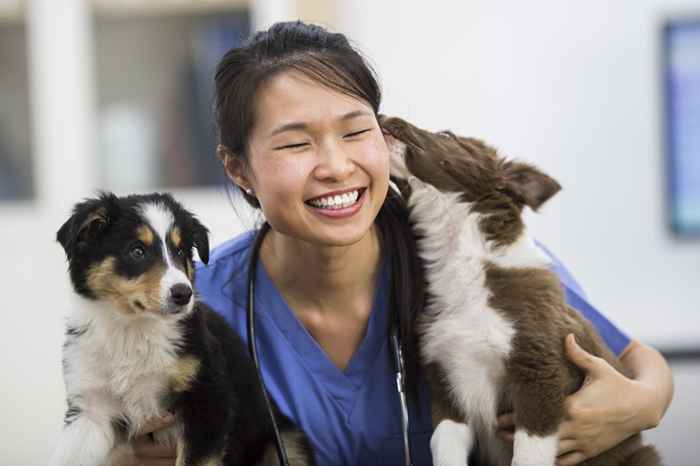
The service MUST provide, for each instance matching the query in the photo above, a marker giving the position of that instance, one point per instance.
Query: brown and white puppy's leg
(538, 406)
(451, 443)
(452, 439)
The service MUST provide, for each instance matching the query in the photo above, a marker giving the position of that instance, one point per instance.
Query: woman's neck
(323, 278)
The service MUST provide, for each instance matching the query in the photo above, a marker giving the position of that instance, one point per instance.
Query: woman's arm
(650, 369)
(610, 407)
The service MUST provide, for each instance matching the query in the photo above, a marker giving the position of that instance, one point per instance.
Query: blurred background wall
(115, 94)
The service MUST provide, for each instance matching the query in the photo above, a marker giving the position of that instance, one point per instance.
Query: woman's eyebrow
(294, 126)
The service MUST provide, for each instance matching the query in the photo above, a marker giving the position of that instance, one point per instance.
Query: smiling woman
(321, 145)
(297, 109)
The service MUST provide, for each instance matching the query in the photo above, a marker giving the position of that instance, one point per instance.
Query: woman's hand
(143, 451)
(607, 409)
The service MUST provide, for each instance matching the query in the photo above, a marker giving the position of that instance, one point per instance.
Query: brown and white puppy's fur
(140, 344)
(492, 334)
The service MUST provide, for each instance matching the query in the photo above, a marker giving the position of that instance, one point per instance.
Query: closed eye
(357, 133)
(291, 146)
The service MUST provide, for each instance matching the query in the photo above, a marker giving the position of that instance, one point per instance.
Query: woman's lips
(344, 212)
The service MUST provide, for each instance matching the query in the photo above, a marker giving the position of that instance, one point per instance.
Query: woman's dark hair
(325, 57)
(329, 59)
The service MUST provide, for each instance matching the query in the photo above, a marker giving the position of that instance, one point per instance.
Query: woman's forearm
(652, 372)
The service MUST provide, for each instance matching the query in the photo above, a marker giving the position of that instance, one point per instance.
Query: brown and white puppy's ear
(527, 184)
(89, 220)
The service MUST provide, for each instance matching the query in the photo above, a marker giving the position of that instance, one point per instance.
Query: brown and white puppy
(492, 334)
(140, 344)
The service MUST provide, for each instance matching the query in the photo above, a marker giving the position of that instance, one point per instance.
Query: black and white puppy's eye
(137, 253)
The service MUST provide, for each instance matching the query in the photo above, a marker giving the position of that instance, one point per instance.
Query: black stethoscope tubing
(397, 358)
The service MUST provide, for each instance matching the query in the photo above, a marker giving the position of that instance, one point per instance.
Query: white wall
(573, 87)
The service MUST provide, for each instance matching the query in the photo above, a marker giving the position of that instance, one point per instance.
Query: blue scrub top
(351, 416)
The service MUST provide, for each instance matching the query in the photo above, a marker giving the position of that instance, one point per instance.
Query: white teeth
(336, 202)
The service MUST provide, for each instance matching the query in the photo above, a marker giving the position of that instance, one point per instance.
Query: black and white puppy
(140, 344)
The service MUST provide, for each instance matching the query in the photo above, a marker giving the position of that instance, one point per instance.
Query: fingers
(506, 421)
(155, 424)
(566, 446)
(571, 459)
(507, 436)
(580, 357)
(505, 424)
(145, 448)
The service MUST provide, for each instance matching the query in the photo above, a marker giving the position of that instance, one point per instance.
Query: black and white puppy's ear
(88, 222)
(528, 184)
(200, 239)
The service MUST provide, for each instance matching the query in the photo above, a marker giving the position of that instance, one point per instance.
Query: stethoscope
(397, 358)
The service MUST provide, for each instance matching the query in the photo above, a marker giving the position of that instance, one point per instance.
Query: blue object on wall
(681, 79)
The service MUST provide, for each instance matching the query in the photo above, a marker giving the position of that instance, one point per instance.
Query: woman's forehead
(292, 97)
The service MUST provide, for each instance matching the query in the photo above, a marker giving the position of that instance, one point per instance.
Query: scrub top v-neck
(352, 416)
(343, 385)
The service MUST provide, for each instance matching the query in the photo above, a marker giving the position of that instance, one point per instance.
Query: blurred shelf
(12, 11)
(138, 8)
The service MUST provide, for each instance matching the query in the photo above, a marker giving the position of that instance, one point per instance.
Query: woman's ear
(234, 167)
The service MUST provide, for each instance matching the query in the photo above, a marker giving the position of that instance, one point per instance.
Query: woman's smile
(341, 204)
(319, 162)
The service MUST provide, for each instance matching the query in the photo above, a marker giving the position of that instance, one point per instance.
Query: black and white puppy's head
(134, 253)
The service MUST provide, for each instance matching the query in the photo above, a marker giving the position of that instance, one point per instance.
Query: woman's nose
(334, 162)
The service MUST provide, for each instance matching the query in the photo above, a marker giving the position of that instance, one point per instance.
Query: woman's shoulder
(235, 249)
(226, 271)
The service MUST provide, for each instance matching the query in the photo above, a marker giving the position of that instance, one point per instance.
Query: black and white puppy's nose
(181, 294)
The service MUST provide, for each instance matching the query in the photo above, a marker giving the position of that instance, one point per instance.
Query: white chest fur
(119, 366)
(460, 331)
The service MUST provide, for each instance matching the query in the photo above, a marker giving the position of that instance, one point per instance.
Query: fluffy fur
(492, 334)
(140, 344)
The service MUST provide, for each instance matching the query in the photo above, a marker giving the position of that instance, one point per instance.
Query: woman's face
(318, 162)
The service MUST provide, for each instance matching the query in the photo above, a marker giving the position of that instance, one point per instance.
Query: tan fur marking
(98, 214)
(180, 453)
(217, 459)
(189, 270)
(297, 454)
(126, 294)
(214, 460)
(145, 235)
(294, 446)
(175, 236)
(185, 372)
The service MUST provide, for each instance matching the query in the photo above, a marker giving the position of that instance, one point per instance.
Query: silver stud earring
(248, 191)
